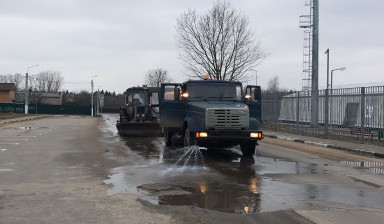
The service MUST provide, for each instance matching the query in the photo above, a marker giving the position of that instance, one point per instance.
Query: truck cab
(211, 113)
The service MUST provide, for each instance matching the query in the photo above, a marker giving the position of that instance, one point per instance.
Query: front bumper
(223, 135)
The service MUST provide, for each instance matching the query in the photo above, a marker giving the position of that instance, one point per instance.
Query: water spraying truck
(140, 115)
(211, 113)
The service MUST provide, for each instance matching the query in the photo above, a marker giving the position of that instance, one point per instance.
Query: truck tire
(248, 148)
(187, 137)
(167, 137)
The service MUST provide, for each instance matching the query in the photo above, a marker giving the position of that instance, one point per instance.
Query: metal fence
(351, 114)
(45, 109)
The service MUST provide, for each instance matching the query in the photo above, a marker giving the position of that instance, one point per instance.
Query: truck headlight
(255, 135)
(201, 134)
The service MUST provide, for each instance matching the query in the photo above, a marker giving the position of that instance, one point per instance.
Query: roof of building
(7, 86)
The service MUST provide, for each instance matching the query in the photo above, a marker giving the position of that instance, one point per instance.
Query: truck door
(172, 110)
(253, 100)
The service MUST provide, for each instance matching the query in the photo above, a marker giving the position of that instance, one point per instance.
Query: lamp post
(92, 94)
(98, 104)
(336, 69)
(326, 122)
(26, 89)
(255, 74)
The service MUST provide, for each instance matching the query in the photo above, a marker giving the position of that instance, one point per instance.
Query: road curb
(5, 122)
(337, 147)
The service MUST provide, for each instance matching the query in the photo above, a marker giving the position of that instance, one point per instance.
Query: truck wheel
(187, 138)
(248, 149)
(167, 137)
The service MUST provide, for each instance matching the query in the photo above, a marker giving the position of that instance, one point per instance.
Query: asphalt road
(78, 170)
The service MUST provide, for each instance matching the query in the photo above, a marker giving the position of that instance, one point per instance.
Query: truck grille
(227, 118)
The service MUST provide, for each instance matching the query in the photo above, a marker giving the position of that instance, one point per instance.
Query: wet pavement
(226, 181)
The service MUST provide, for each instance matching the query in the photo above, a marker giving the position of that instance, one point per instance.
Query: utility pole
(315, 66)
(92, 95)
(97, 102)
(256, 77)
(326, 123)
(26, 94)
(26, 89)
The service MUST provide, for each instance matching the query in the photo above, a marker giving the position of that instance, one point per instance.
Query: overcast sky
(120, 40)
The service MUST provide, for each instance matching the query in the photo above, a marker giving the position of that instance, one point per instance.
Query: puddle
(371, 166)
(279, 166)
(234, 186)
(265, 195)
(25, 128)
(225, 181)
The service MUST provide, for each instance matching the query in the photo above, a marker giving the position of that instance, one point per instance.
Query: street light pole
(92, 94)
(26, 89)
(97, 102)
(256, 76)
(337, 69)
(326, 122)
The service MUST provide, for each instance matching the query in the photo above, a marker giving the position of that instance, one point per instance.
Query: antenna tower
(306, 22)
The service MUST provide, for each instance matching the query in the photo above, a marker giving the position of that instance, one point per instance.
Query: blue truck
(211, 113)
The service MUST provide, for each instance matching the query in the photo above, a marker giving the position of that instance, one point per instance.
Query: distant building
(38, 97)
(7, 92)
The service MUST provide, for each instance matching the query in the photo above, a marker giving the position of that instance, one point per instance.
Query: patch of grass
(4, 116)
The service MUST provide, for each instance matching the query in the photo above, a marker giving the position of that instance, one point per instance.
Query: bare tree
(4, 78)
(18, 79)
(47, 81)
(83, 98)
(155, 77)
(273, 85)
(218, 43)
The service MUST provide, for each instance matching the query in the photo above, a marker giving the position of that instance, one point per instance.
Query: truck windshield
(139, 99)
(214, 91)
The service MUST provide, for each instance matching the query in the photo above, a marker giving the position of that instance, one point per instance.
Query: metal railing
(352, 114)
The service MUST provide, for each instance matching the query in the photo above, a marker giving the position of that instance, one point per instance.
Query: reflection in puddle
(230, 198)
(279, 166)
(372, 166)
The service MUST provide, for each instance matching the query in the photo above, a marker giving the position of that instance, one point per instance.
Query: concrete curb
(358, 151)
(5, 122)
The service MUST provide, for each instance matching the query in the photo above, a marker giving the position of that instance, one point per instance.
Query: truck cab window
(139, 99)
(155, 98)
(172, 92)
(214, 91)
(129, 99)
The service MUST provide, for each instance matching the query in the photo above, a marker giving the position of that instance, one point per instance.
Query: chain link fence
(350, 114)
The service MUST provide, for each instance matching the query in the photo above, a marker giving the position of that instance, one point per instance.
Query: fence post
(298, 112)
(274, 112)
(362, 114)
